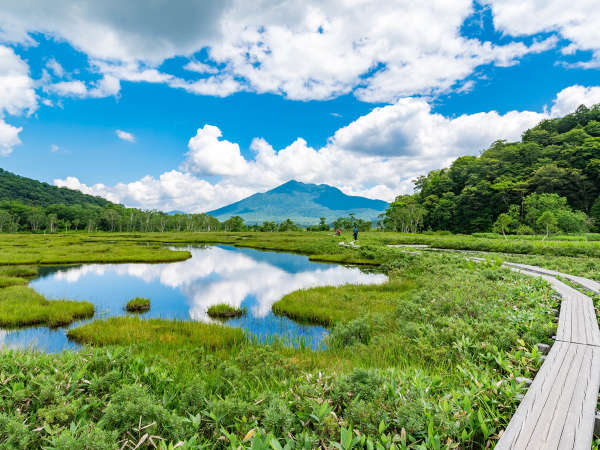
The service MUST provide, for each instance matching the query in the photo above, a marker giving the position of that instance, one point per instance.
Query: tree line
(547, 182)
(16, 216)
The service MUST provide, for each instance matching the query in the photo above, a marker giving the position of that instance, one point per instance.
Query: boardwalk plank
(559, 408)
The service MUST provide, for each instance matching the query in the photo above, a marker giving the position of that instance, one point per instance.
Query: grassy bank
(427, 360)
(80, 248)
(156, 332)
(329, 305)
(22, 306)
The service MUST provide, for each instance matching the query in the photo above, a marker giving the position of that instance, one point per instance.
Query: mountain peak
(290, 186)
(304, 203)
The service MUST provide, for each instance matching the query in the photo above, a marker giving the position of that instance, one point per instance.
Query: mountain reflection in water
(184, 290)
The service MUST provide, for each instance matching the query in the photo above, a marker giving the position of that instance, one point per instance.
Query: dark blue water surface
(184, 290)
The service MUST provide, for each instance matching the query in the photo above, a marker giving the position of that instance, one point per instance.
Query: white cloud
(17, 97)
(17, 94)
(570, 98)
(106, 86)
(377, 156)
(196, 66)
(68, 88)
(304, 49)
(409, 128)
(575, 20)
(125, 136)
(9, 138)
(116, 30)
(56, 68)
(208, 155)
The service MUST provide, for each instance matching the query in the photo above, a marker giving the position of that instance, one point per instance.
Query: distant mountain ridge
(304, 203)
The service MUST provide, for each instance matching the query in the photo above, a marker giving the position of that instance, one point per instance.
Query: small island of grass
(225, 311)
(22, 306)
(138, 304)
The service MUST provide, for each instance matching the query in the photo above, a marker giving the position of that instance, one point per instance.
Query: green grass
(138, 304)
(11, 281)
(22, 306)
(133, 330)
(328, 305)
(18, 271)
(224, 311)
(80, 248)
(420, 357)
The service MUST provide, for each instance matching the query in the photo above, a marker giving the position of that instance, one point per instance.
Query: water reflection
(184, 290)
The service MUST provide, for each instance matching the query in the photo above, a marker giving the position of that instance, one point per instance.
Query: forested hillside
(35, 193)
(549, 181)
(29, 205)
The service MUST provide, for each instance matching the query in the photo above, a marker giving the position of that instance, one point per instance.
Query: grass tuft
(138, 304)
(225, 311)
(164, 333)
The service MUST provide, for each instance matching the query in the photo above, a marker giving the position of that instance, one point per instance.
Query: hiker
(355, 232)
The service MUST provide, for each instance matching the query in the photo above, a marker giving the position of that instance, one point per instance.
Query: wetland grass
(134, 330)
(22, 306)
(225, 311)
(416, 361)
(138, 305)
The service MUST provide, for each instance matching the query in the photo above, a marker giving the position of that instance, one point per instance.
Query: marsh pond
(240, 277)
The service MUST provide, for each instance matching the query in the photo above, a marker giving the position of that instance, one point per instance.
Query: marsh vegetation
(225, 311)
(138, 304)
(428, 358)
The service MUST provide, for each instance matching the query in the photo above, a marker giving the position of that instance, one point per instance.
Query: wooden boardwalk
(559, 409)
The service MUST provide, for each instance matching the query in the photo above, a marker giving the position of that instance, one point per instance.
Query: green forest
(547, 182)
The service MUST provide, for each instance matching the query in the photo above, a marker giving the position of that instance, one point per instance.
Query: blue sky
(218, 102)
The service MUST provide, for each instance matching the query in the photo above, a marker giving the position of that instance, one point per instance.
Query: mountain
(35, 193)
(303, 203)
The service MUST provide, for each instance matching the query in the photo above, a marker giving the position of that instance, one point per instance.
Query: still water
(184, 290)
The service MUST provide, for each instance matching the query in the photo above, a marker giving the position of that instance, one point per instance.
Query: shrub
(132, 405)
(361, 384)
(525, 230)
(357, 331)
(278, 418)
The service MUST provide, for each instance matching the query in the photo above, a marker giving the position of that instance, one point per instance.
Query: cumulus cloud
(117, 30)
(106, 86)
(409, 128)
(17, 90)
(570, 98)
(575, 20)
(381, 50)
(377, 155)
(209, 155)
(125, 136)
(9, 138)
(17, 97)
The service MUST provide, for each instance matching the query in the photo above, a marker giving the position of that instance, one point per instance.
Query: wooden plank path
(559, 409)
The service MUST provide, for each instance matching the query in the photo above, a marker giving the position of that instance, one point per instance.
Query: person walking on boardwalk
(355, 232)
